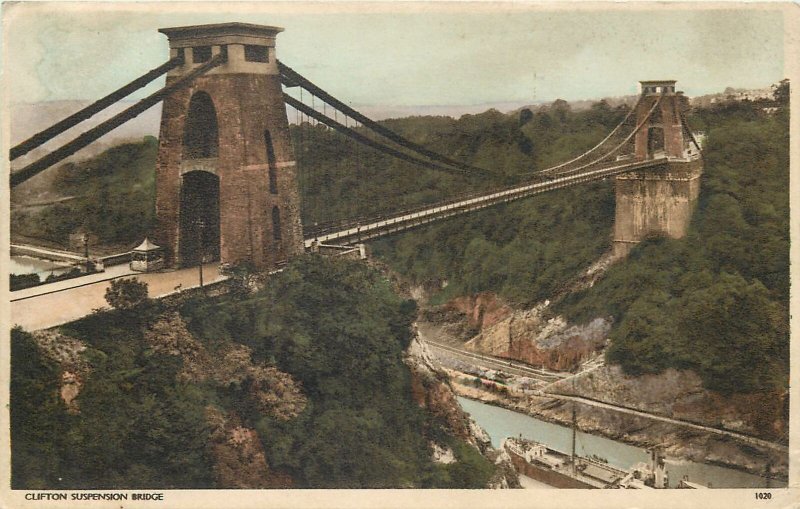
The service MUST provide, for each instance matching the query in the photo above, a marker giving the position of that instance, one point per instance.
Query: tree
(734, 335)
(38, 416)
(525, 116)
(242, 277)
(126, 293)
(781, 92)
(642, 341)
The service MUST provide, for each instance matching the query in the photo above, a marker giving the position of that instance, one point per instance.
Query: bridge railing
(321, 229)
(402, 220)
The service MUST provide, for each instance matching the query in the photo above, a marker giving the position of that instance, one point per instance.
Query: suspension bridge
(228, 184)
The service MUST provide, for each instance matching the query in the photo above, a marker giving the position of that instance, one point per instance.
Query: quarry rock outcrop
(269, 389)
(66, 352)
(680, 395)
(239, 458)
(533, 336)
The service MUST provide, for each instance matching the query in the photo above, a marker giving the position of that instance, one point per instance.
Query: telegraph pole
(574, 431)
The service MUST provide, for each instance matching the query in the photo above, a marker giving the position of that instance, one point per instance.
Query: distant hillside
(112, 195)
(733, 94)
(29, 118)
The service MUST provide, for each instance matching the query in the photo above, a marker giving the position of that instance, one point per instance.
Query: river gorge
(500, 423)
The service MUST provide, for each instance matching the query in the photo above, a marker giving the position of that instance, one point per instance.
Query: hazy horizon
(412, 55)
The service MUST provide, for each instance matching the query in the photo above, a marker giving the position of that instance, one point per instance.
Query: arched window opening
(273, 176)
(655, 117)
(655, 141)
(276, 223)
(199, 218)
(201, 135)
(273, 181)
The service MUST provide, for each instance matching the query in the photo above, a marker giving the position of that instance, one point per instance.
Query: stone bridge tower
(226, 187)
(659, 200)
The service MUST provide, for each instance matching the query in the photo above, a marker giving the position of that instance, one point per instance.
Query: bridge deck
(404, 221)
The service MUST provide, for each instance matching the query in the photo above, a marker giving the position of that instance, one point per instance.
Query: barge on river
(560, 470)
(555, 468)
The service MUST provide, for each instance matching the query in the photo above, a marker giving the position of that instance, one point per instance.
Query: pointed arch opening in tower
(655, 142)
(270, 149)
(201, 134)
(199, 238)
(276, 223)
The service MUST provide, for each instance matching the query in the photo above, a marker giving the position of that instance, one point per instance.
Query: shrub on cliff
(38, 416)
(337, 327)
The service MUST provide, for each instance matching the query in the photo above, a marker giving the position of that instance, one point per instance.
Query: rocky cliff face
(240, 461)
(680, 395)
(67, 353)
(432, 391)
(534, 336)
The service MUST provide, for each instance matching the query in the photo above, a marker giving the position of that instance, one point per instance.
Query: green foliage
(337, 327)
(781, 93)
(340, 180)
(470, 469)
(137, 428)
(154, 431)
(717, 301)
(38, 417)
(520, 250)
(21, 281)
(126, 293)
(239, 276)
(114, 198)
(527, 250)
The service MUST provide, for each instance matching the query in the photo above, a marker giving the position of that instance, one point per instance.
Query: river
(501, 423)
(30, 265)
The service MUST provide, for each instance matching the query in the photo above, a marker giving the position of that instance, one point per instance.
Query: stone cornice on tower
(220, 34)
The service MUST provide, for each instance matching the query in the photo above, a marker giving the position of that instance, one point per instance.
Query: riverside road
(485, 361)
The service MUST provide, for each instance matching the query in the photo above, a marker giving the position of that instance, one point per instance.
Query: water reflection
(30, 265)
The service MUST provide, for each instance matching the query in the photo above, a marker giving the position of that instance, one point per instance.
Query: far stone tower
(659, 200)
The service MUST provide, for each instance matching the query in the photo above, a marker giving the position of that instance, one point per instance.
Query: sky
(412, 54)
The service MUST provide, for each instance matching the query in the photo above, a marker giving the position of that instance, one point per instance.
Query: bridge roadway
(409, 219)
